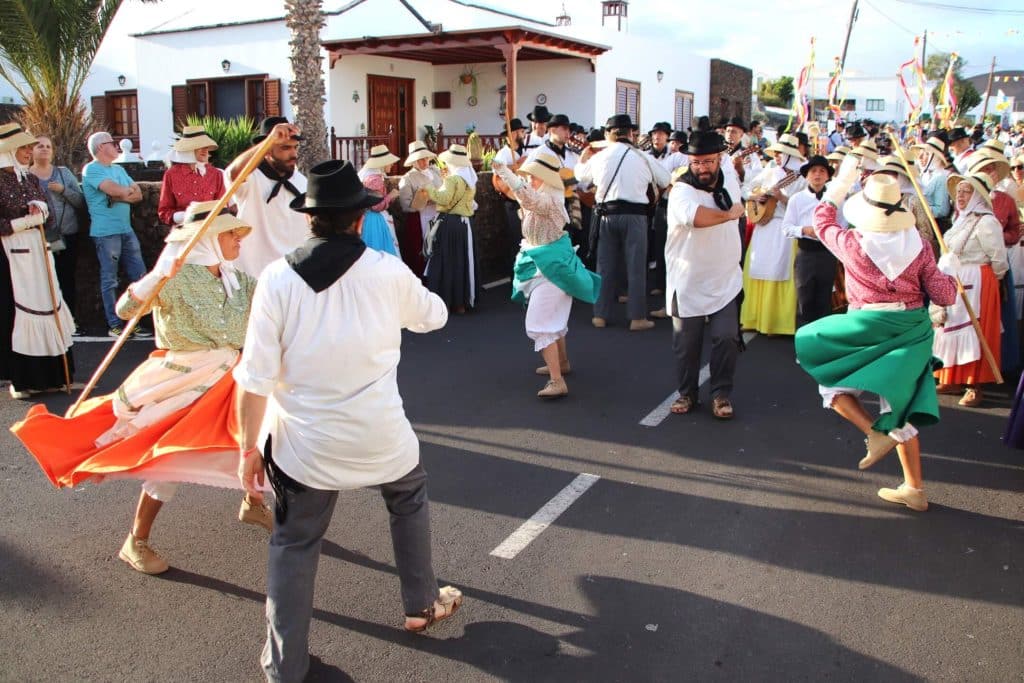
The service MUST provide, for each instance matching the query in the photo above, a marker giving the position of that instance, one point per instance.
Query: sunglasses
(1017, 168)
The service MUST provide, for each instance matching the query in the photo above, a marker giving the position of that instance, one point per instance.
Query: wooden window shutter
(620, 98)
(272, 97)
(179, 105)
(99, 111)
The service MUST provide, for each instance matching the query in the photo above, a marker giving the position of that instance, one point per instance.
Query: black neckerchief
(280, 180)
(321, 261)
(718, 192)
(818, 194)
(560, 151)
(658, 155)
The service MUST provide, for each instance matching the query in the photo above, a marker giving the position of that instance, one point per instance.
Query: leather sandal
(682, 405)
(721, 408)
(449, 599)
(971, 398)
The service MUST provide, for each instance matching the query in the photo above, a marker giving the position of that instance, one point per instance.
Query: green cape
(558, 262)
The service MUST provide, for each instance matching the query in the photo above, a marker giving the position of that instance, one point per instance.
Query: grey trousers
(295, 552)
(815, 274)
(622, 238)
(688, 341)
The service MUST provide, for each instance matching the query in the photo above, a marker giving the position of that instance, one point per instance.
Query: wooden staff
(56, 312)
(249, 167)
(985, 350)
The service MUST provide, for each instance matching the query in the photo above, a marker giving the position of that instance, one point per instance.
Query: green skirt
(888, 353)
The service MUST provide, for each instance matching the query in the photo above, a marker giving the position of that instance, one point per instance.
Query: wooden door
(391, 111)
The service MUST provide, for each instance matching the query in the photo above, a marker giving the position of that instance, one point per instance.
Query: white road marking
(664, 409)
(533, 527)
(498, 283)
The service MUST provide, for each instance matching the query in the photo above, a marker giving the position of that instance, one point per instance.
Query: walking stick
(56, 313)
(985, 350)
(249, 167)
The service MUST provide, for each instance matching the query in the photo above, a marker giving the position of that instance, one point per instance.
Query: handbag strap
(614, 175)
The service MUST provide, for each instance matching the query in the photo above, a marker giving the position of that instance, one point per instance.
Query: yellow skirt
(769, 306)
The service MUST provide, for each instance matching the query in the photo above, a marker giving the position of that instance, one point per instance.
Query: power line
(961, 8)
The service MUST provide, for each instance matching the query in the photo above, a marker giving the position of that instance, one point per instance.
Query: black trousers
(815, 272)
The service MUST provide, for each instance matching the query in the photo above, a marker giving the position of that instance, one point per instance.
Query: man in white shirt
(960, 148)
(538, 118)
(670, 161)
(264, 197)
(743, 165)
(511, 154)
(322, 350)
(815, 266)
(704, 277)
(622, 173)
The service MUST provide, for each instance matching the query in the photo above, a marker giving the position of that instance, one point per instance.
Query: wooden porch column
(510, 50)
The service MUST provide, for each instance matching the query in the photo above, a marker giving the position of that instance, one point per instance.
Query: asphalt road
(750, 550)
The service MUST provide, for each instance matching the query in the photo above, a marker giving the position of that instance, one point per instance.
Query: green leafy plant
(485, 161)
(233, 136)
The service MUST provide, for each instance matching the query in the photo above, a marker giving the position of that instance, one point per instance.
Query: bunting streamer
(801, 106)
(832, 90)
(945, 107)
(916, 108)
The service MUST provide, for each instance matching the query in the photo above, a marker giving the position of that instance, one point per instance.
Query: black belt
(617, 208)
(811, 245)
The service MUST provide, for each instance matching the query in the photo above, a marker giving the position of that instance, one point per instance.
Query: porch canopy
(509, 44)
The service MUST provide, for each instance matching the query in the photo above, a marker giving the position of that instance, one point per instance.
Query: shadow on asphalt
(638, 632)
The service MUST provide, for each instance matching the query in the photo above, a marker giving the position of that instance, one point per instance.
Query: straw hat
(418, 150)
(12, 137)
(196, 213)
(545, 166)
(979, 181)
(994, 145)
(985, 157)
(786, 144)
(878, 207)
(839, 153)
(866, 150)
(456, 155)
(380, 157)
(891, 164)
(935, 146)
(193, 138)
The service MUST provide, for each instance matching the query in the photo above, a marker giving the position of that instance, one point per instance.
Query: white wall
(861, 89)
(349, 74)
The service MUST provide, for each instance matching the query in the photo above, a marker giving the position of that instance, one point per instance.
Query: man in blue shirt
(109, 192)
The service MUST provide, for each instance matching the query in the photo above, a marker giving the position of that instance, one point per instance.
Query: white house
(391, 67)
(879, 98)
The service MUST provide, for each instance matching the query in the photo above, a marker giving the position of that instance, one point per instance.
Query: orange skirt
(66, 449)
(990, 319)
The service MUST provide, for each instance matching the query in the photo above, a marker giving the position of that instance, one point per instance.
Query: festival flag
(916, 108)
(800, 104)
(946, 105)
(832, 90)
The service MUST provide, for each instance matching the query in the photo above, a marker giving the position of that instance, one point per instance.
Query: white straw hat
(838, 154)
(545, 166)
(878, 207)
(980, 181)
(380, 157)
(456, 155)
(985, 157)
(866, 150)
(12, 137)
(418, 150)
(196, 213)
(786, 144)
(193, 138)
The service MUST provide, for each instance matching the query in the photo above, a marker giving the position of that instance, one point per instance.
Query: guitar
(760, 208)
(500, 185)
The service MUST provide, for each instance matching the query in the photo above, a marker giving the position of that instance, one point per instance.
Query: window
(117, 112)
(627, 99)
(253, 96)
(874, 105)
(683, 110)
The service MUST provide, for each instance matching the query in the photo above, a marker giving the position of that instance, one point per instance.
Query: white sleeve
(791, 221)
(421, 310)
(246, 190)
(504, 156)
(682, 207)
(260, 367)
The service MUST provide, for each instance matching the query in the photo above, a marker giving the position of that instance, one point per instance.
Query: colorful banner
(801, 106)
(945, 107)
(832, 90)
(916, 108)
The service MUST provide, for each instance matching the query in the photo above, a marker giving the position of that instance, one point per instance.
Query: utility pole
(988, 90)
(849, 30)
(924, 49)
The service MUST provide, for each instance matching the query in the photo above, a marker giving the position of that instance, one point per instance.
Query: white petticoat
(35, 329)
(956, 342)
(547, 312)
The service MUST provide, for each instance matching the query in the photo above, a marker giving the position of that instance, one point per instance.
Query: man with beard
(539, 118)
(735, 129)
(510, 155)
(559, 132)
(704, 277)
(264, 197)
(670, 161)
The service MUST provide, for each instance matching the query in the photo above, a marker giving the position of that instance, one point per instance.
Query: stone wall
(729, 91)
(488, 231)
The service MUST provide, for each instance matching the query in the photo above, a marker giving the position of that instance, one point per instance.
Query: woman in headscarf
(379, 227)
(421, 175)
(173, 419)
(189, 176)
(35, 324)
(547, 273)
(893, 167)
(977, 239)
(883, 344)
(451, 255)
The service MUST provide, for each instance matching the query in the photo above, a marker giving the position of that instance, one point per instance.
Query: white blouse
(978, 240)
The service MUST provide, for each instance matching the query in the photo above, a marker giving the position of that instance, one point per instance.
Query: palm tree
(46, 50)
(304, 19)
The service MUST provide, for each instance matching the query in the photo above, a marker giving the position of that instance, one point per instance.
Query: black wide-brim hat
(559, 120)
(661, 127)
(516, 124)
(540, 114)
(678, 136)
(958, 133)
(595, 135)
(737, 122)
(817, 160)
(267, 125)
(333, 184)
(705, 142)
(854, 131)
(620, 121)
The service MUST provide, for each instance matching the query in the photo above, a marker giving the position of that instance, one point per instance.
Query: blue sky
(773, 36)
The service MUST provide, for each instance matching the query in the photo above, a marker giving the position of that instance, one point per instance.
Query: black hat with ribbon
(958, 133)
(333, 184)
(620, 121)
(516, 124)
(540, 114)
(705, 142)
(559, 120)
(661, 127)
(817, 160)
(267, 125)
(678, 136)
(737, 122)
